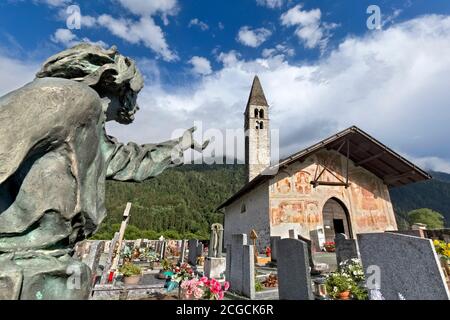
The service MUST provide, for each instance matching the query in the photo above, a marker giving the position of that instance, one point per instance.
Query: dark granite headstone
(409, 266)
(294, 280)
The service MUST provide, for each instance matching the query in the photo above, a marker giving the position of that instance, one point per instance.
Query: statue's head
(114, 76)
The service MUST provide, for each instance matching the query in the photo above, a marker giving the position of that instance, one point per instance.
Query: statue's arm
(133, 162)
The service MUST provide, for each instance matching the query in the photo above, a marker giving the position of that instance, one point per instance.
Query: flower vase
(345, 295)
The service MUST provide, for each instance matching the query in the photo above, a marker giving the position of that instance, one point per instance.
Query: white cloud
(67, 38)
(200, 65)
(253, 38)
(144, 31)
(88, 21)
(432, 163)
(229, 59)
(309, 28)
(279, 49)
(19, 73)
(151, 7)
(270, 3)
(64, 36)
(196, 22)
(54, 3)
(391, 83)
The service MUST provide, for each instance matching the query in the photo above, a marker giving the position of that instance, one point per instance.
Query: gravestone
(294, 280)
(273, 247)
(293, 234)
(182, 251)
(163, 249)
(195, 250)
(95, 251)
(408, 266)
(345, 248)
(200, 249)
(240, 266)
(248, 271)
(310, 257)
(137, 243)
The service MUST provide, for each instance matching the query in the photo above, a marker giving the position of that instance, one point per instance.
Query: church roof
(364, 150)
(257, 97)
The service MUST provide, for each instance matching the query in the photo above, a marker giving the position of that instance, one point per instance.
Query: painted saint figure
(55, 156)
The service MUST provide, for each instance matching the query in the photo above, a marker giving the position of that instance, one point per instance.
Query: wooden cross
(123, 226)
(253, 236)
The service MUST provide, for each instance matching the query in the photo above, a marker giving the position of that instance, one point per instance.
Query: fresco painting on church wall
(294, 200)
(296, 211)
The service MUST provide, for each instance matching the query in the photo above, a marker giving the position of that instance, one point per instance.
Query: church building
(338, 185)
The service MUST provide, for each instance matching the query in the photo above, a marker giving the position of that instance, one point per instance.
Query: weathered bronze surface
(54, 159)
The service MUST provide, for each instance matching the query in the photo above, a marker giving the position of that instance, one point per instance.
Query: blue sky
(321, 67)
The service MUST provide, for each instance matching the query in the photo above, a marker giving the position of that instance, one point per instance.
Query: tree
(433, 219)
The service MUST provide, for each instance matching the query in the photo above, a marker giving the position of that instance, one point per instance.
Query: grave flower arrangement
(192, 288)
(329, 246)
(213, 289)
(347, 281)
(182, 273)
(203, 288)
(442, 248)
(354, 268)
(131, 273)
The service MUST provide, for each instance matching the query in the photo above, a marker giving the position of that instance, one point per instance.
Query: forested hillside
(433, 194)
(181, 202)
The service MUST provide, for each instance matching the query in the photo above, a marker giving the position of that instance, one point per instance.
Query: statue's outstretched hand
(187, 141)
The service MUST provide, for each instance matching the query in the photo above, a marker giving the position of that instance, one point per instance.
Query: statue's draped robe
(54, 159)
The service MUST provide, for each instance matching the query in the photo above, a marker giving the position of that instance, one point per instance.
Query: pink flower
(204, 279)
(220, 295)
(226, 285)
(215, 289)
(198, 293)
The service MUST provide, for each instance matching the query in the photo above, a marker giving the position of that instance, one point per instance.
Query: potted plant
(339, 286)
(329, 246)
(131, 273)
(347, 282)
(443, 250)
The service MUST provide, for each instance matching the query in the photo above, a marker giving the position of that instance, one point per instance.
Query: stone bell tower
(257, 137)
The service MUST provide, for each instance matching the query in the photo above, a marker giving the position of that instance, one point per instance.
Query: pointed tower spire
(256, 126)
(257, 97)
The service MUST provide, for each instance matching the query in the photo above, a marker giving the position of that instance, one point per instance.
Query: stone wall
(255, 216)
(295, 204)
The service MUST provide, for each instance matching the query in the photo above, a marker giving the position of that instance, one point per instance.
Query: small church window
(243, 208)
(256, 113)
(261, 114)
(261, 125)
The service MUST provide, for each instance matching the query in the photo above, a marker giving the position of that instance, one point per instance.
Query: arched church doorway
(335, 219)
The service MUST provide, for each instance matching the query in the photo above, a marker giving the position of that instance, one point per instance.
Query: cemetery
(375, 266)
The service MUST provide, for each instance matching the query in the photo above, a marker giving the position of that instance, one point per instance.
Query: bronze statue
(54, 159)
